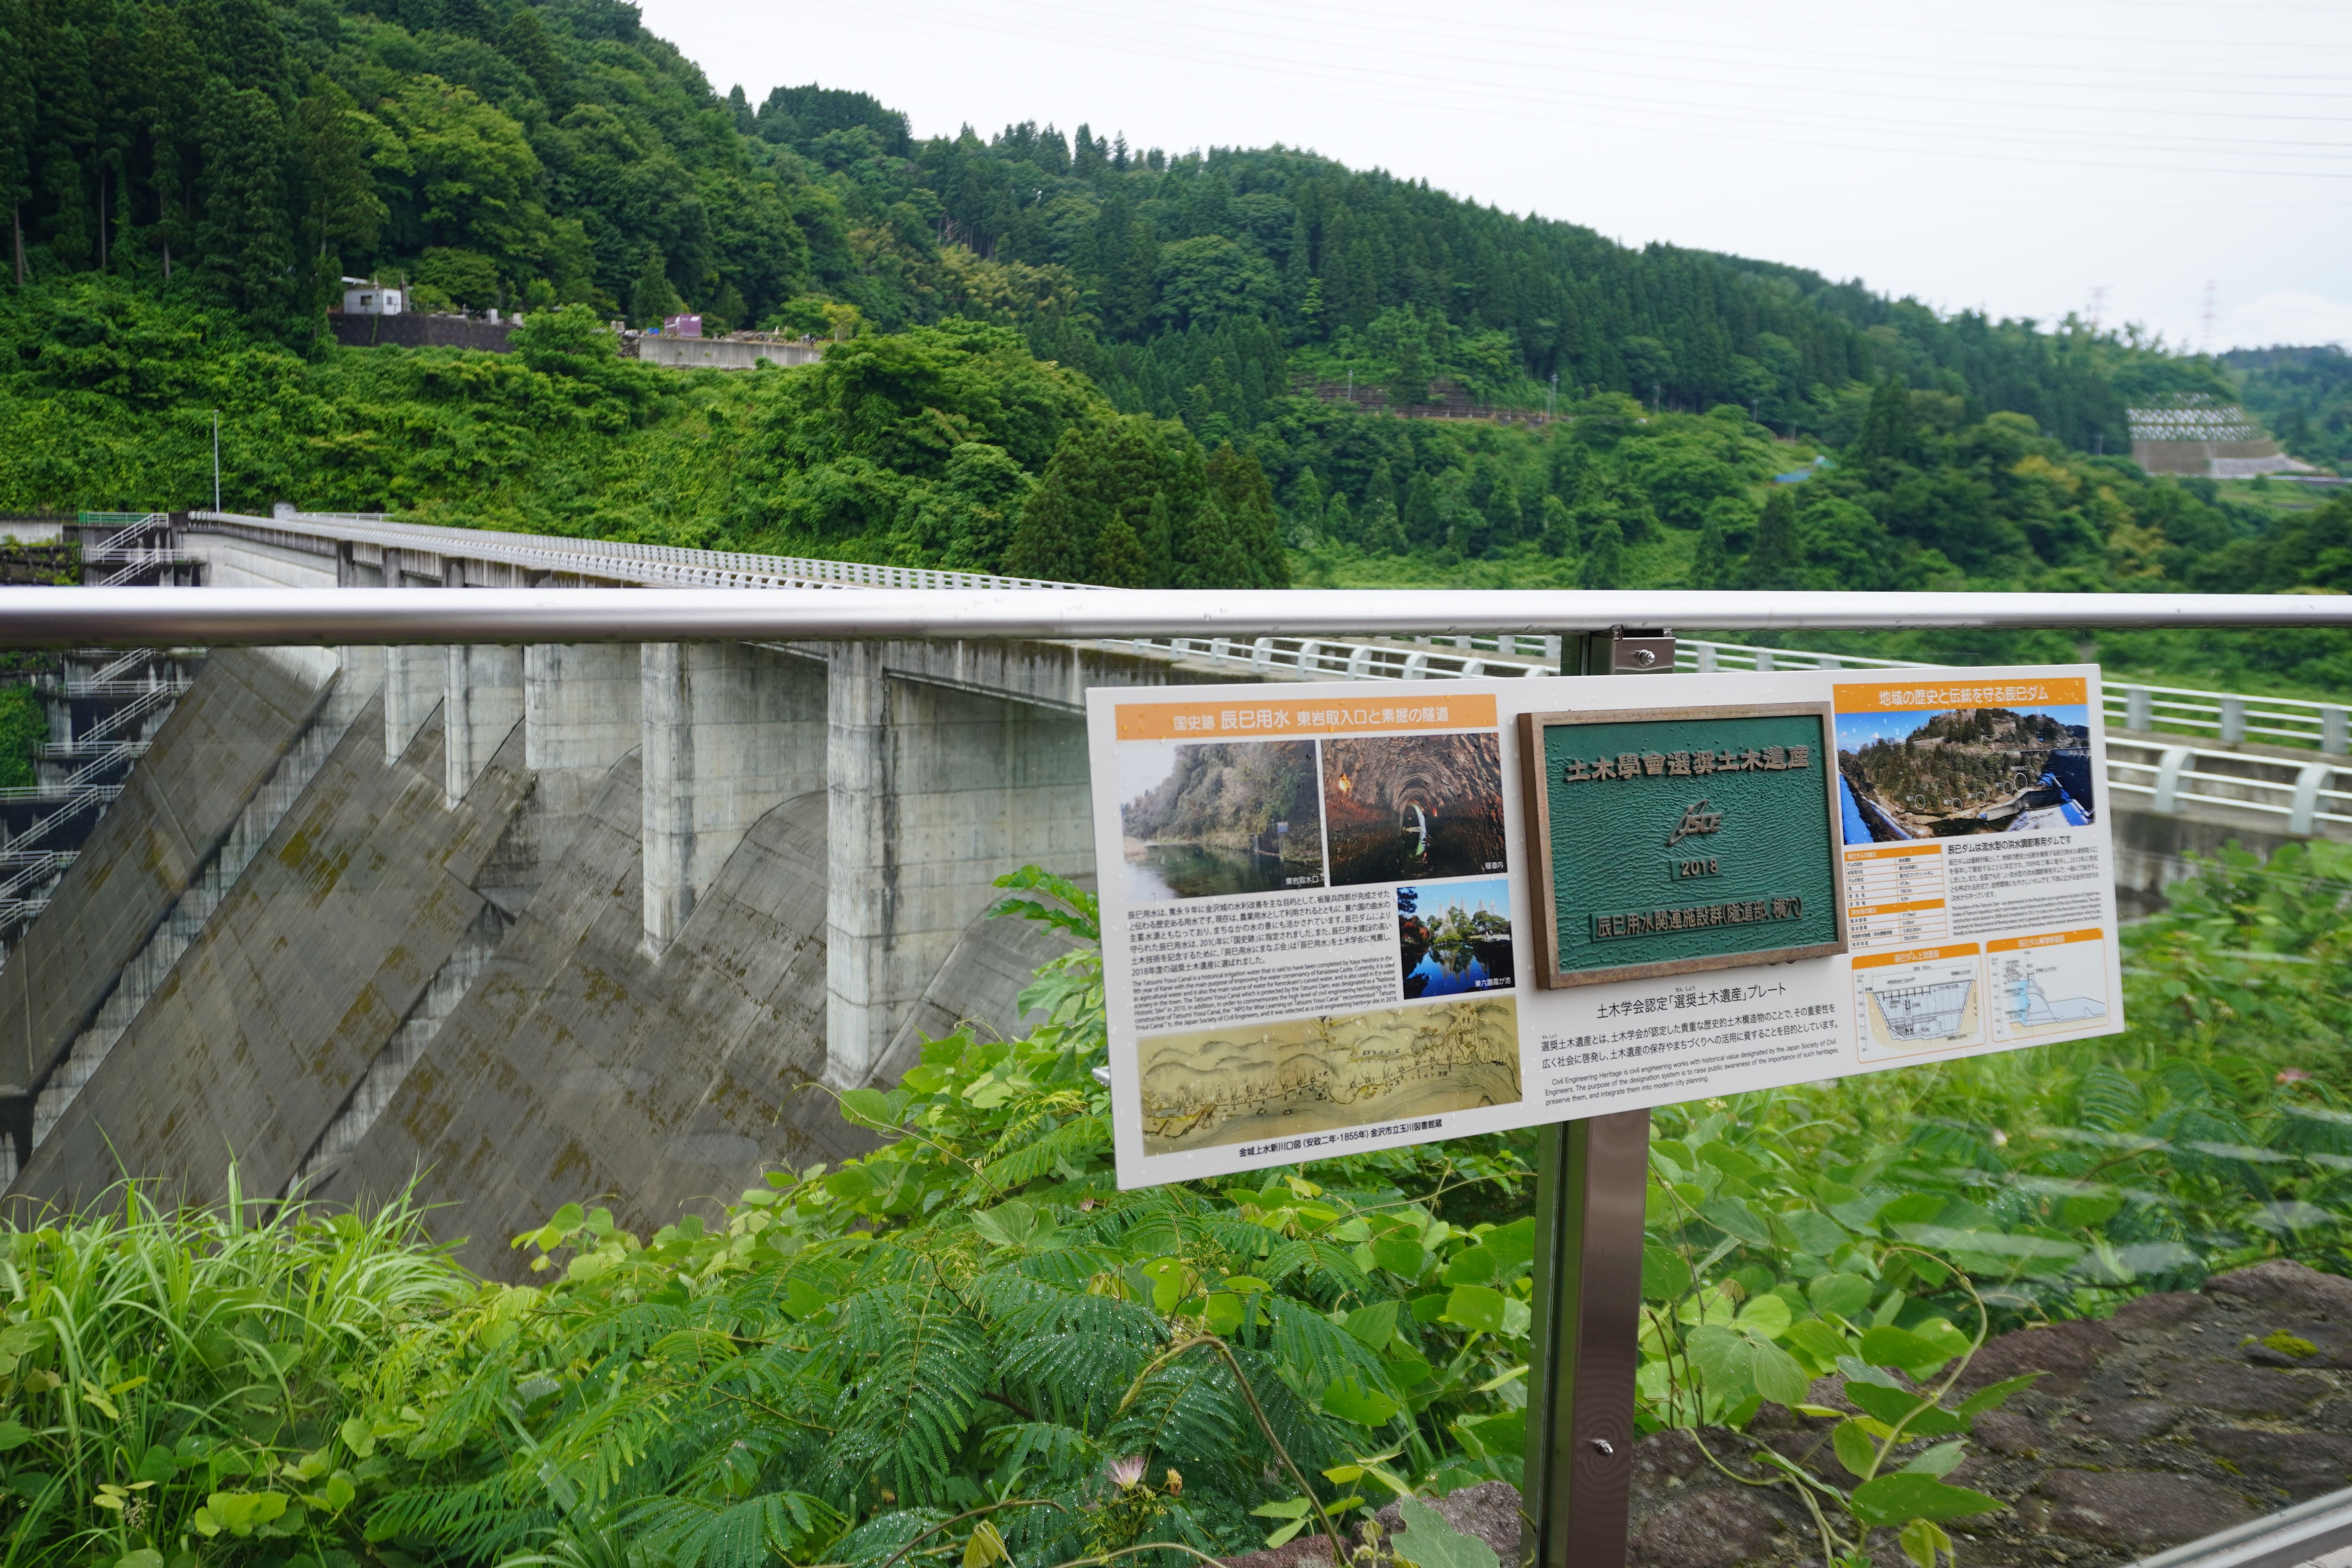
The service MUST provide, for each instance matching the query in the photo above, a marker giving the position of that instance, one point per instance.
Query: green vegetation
(190, 185)
(2303, 394)
(973, 1335)
(24, 727)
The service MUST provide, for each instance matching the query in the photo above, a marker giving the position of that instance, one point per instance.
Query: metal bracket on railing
(1620, 651)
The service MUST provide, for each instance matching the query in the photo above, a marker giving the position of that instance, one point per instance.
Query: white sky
(2003, 155)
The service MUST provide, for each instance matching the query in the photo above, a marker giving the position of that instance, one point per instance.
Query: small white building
(365, 296)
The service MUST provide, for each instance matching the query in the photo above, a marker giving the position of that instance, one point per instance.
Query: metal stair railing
(73, 784)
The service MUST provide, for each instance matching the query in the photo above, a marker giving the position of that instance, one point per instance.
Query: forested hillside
(1058, 355)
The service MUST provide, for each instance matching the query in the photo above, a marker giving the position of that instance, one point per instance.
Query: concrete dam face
(467, 920)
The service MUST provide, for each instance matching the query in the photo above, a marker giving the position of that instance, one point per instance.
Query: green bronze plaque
(1672, 840)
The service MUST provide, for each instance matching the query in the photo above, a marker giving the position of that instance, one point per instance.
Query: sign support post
(1590, 1177)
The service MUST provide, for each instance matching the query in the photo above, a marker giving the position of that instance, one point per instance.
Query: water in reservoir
(1205, 870)
(1450, 967)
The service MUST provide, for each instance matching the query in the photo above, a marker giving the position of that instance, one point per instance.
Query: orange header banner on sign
(1253, 718)
(1913, 695)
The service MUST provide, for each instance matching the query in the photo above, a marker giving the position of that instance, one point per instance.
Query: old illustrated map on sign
(1346, 916)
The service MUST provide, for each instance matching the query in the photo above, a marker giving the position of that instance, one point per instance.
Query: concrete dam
(528, 925)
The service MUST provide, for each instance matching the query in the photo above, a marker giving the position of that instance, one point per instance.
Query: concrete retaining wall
(270, 1019)
(582, 1066)
(222, 741)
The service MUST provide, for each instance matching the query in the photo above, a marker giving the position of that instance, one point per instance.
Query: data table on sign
(1895, 896)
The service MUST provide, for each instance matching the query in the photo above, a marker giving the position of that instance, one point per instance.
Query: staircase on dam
(514, 926)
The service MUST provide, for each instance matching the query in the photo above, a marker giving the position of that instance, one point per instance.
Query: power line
(1484, 96)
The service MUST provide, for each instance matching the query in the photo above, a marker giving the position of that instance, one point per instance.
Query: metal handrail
(49, 617)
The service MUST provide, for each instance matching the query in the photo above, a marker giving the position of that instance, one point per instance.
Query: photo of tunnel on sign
(1413, 808)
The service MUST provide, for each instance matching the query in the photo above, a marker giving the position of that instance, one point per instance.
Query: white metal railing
(74, 783)
(670, 565)
(26, 869)
(2308, 798)
(2231, 716)
(68, 805)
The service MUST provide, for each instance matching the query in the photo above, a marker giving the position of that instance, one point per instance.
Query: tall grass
(175, 1383)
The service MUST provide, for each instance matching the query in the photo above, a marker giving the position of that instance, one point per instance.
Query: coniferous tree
(1380, 488)
(1559, 535)
(651, 298)
(1238, 488)
(1423, 523)
(247, 242)
(1604, 558)
(1339, 521)
(1888, 432)
(1119, 558)
(1710, 558)
(1383, 534)
(1777, 561)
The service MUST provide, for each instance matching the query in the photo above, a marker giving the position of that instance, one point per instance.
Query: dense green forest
(1059, 356)
(2303, 394)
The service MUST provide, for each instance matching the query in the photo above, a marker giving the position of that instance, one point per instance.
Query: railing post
(2170, 766)
(2335, 730)
(2233, 720)
(2302, 812)
(1590, 1177)
(2138, 704)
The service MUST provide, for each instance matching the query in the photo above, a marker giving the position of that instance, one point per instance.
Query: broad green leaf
(1901, 1348)
(1374, 1326)
(1816, 1341)
(871, 1104)
(1504, 1436)
(1734, 1217)
(1854, 1450)
(145, 1557)
(1845, 1295)
(1294, 1507)
(1513, 1245)
(1940, 1460)
(1899, 1498)
(1922, 1540)
(1725, 1361)
(1472, 1266)
(14, 1434)
(357, 1436)
(1815, 1232)
(1430, 1542)
(1912, 1209)
(1399, 1255)
(1896, 1406)
(1350, 1400)
(1280, 1536)
(1475, 1307)
(1223, 1313)
(1778, 1376)
(1994, 1396)
(1766, 1315)
(1665, 1274)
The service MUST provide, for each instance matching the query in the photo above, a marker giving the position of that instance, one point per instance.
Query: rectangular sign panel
(1340, 916)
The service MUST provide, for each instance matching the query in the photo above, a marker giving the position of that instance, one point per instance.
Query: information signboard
(1343, 916)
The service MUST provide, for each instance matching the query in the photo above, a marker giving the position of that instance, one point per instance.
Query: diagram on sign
(1923, 999)
(1215, 1087)
(2048, 984)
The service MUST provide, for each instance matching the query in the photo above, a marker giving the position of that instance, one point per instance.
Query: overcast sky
(2006, 157)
